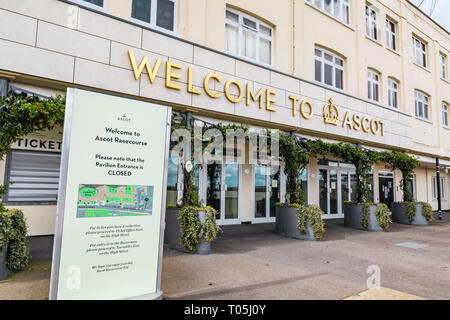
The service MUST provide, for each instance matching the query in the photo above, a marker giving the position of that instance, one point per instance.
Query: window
(373, 82)
(391, 35)
(422, 105)
(95, 2)
(392, 93)
(248, 37)
(420, 52)
(443, 65)
(434, 188)
(444, 114)
(371, 23)
(33, 176)
(157, 13)
(339, 9)
(329, 68)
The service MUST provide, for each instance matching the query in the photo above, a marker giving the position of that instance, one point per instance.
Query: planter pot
(4, 273)
(353, 217)
(172, 233)
(203, 247)
(399, 214)
(288, 224)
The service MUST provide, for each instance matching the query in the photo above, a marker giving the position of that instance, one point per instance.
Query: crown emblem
(331, 113)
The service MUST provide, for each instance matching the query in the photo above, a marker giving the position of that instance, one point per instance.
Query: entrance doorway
(267, 193)
(221, 190)
(337, 184)
(386, 187)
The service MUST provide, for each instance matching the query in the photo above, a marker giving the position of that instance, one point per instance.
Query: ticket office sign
(110, 213)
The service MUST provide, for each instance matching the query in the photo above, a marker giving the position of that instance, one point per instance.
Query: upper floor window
(420, 52)
(393, 93)
(443, 65)
(444, 114)
(391, 35)
(157, 13)
(339, 9)
(371, 23)
(248, 37)
(373, 82)
(422, 105)
(329, 68)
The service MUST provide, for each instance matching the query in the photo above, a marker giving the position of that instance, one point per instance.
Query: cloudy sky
(441, 13)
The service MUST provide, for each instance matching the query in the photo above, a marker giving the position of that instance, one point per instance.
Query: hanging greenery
(383, 215)
(427, 210)
(13, 232)
(192, 230)
(21, 115)
(209, 229)
(365, 216)
(406, 164)
(313, 215)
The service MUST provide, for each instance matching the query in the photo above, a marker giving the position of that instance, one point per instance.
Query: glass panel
(213, 183)
(265, 30)
(333, 192)
(353, 188)
(303, 179)
(232, 39)
(232, 16)
(96, 2)
(323, 190)
(260, 191)
(250, 23)
(165, 14)
(318, 70)
(369, 185)
(337, 9)
(265, 51)
(274, 181)
(344, 187)
(249, 44)
(172, 181)
(140, 9)
(339, 78)
(232, 190)
(328, 74)
(328, 6)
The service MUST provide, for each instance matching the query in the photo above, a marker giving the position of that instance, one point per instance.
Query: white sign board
(111, 201)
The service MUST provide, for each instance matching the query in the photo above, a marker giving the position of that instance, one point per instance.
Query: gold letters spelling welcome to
(330, 111)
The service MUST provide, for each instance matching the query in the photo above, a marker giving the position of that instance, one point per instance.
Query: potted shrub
(14, 252)
(367, 216)
(294, 219)
(408, 211)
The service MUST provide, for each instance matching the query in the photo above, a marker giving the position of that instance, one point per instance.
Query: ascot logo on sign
(264, 97)
(124, 118)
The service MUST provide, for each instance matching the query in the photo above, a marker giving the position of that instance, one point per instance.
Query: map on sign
(114, 201)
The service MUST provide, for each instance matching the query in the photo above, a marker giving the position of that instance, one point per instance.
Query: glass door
(267, 193)
(222, 190)
(174, 193)
(334, 189)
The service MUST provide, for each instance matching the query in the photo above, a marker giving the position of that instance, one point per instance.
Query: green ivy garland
(189, 227)
(21, 114)
(383, 215)
(365, 216)
(209, 229)
(313, 215)
(427, 211)
(13, 231)
(410, 210)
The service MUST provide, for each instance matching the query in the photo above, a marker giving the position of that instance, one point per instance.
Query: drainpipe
(438, 178)
(4, 86)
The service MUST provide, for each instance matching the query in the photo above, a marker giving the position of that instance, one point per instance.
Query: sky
(441, 13)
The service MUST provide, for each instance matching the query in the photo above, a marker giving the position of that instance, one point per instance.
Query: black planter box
(399, 214)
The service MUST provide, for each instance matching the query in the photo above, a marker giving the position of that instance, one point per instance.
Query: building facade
(369, 72)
